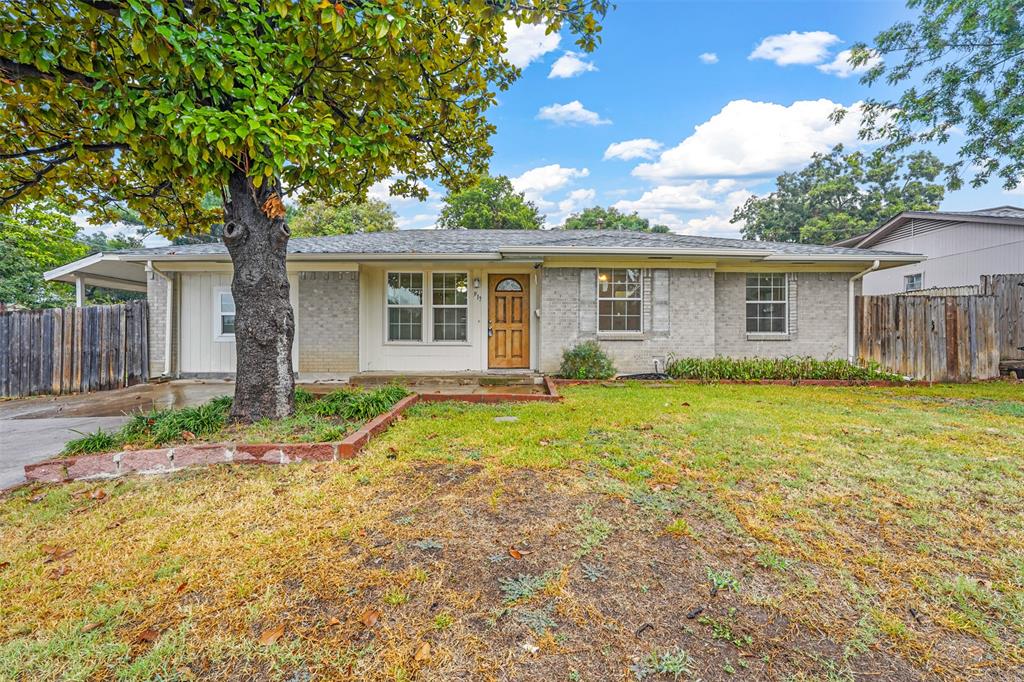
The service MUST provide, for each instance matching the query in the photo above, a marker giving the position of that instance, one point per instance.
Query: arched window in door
(509, 284)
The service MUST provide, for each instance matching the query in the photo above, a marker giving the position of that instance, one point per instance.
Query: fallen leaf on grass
(55, 553)
(38, 498)
(115, 524)
(188, 436)
(60, 571)
(4, 564)
(98, 494)
(149, 635)
(272, 635)
(370, 617)
(89, 627)
(422, 652)
(518, 554)
(333, 621)
(181, 588)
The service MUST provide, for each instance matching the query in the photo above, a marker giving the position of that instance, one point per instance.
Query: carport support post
(79, 291)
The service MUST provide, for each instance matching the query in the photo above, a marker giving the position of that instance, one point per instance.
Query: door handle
(490, 330)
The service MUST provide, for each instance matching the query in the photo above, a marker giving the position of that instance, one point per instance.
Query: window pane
(227, 324)
(227, 303)
(450, 288)
(405, 324)
(405, 288)
(508, 284)
(449, 324)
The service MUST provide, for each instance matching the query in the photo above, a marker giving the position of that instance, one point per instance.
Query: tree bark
(257, 239)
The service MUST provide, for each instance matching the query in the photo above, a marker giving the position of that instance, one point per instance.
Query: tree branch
(16, 71)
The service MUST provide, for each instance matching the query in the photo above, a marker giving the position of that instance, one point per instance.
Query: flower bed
(776, 369)
(326, 418)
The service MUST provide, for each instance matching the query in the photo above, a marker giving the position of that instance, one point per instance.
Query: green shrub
(753, 369)
(586, 361)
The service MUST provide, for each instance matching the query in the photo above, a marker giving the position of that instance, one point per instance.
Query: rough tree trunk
(257, 239)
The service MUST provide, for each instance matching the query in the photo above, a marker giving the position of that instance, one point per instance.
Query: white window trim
(642, 299)
(913, 274)
(784, 301)
(427, 310)
(219, 337)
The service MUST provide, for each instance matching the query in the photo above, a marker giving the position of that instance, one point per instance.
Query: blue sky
(686, 109)
(700, 134)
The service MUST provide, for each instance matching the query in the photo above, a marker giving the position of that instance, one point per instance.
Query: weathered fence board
(1008, 291)
(68, 350)
(934, 338)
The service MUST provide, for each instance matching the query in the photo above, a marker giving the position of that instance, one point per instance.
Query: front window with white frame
(914, 282)
(409, 315)
(224, 315)
(620, 295)
(767, 303)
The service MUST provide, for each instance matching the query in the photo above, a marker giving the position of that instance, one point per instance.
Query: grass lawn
(634, 532)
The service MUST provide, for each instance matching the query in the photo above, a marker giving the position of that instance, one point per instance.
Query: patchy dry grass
(658, 533)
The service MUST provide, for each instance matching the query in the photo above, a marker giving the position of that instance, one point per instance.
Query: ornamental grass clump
(795, 368)
(586, 361)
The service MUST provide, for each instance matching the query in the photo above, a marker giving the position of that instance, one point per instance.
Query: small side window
(914, 282)
(224, 315)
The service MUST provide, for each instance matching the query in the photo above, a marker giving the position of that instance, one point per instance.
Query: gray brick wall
(156, 297)
(817, 317)
(328, 322)
(678, 317)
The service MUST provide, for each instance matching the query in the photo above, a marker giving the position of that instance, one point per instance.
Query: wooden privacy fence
(933, 338)
(68, 350)
(1008, 291)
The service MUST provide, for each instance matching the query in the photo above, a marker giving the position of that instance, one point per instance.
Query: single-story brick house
(426, 301)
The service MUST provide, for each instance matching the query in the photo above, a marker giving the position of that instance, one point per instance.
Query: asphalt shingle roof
(441, 242)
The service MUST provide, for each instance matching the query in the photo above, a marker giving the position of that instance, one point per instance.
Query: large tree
(959, 66)
(151, 105)
(320, 218)
(839, 195)
(599, 218)
(33, 239)
(491, 203)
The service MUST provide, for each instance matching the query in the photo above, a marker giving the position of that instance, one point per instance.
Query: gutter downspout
(851, 334)
(169, 319)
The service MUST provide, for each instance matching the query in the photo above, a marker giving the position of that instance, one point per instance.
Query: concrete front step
(446, 379)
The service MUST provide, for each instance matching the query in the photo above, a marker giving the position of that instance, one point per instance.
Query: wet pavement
(33, 429)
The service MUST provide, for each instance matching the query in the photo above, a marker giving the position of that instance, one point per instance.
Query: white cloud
(575, 200)
(570, 64)
(809, 47)
(668, 204)
(841, 66)
(571, 114)
(690, 196)
(708, 58)
(750, 138)
(526, 43)
(537, 182)
(640, 148)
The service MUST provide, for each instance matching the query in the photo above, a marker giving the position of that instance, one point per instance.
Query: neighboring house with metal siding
(430, 301)
(960, 247)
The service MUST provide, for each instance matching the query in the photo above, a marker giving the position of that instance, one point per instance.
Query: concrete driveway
(33, 429)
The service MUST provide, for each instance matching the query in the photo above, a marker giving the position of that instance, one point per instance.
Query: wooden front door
(508, 321)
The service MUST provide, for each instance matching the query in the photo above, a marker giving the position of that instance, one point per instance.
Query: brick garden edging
(164, 460)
